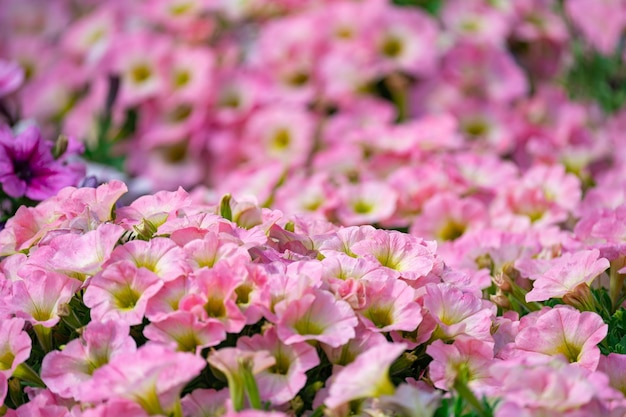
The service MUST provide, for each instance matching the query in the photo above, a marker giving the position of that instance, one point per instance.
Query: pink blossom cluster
(172, 307)
(275, 97)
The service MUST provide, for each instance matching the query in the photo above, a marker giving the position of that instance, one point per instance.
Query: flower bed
(173, 307)
(394, 210)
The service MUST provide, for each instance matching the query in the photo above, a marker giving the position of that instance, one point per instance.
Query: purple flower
(27, 167)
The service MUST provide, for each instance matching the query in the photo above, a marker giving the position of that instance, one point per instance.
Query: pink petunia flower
(366, 377)
(563, 274)
(390, 305)
(466, 360)
(153, 377)
(38, 297)
(159, 256)
(282, 381)
(68, 372)
(562, 331)
(15, 347)
(365, 202)
(456, 313)
(186, 330)
(121, 292)
(411, 257)
(316, 315)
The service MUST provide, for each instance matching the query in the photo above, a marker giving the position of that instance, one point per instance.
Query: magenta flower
(27, 167)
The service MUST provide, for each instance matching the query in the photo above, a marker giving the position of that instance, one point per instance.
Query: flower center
(23, 170)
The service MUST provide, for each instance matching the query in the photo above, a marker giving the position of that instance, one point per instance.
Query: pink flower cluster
(166, 307)
(248, 97)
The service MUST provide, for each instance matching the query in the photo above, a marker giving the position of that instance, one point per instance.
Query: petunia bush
(173, 307)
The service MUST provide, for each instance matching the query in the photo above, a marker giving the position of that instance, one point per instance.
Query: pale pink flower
(415, 399)
(390, 305)
(545, 386)
(138, 58)
(614, 366)
(116, 407)
(563, 274)
(545, 195)
(91, 36)
(121, 292)
(316, 315)
(214, 248)
(156, 208)
(562, 331)
(87, 207)
(159, 256)
(306, 195)
(166, 300)
(366, 377)
(205, 403)
(604, 229)
(279, 133)
(601, 22)
(365, 202)
(67, 372)
(186, 330)
(153, 377)
(282, 381)
(28, 226)
(190, 72)
(477, 21)
(15, 346)
(38, 298)
(456, 313)
(404, 40)
(234, 364)
(467, 360)
(446, 217)
(344, 239)
(363, 340)
(83, 255)
(411, 257)
(213, 297)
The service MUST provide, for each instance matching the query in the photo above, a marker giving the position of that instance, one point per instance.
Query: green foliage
(431, 6)
(593, 76)
(615, 340)
(457, 407)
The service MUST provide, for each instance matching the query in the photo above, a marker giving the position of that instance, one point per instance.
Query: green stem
(519, 297)
(178, 409)
(251, 388)
(27, 374)
(616, 282)
(44, 335)
(236, 393)
(465, 393)
(398, 90)
(318, 412)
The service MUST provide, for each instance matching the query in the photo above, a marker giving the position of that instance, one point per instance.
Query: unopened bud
(60, 146)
